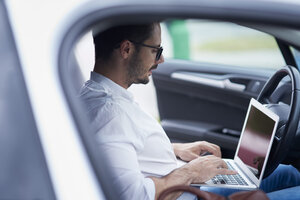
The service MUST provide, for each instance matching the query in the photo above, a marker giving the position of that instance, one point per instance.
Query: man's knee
(286, 170)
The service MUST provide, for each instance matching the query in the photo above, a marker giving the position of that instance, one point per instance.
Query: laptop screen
(256, 139)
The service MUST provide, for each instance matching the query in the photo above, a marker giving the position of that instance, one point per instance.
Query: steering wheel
(288, 114)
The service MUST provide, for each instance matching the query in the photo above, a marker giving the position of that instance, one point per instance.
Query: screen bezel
(272, 116)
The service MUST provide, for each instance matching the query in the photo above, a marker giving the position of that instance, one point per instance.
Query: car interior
(204, 94)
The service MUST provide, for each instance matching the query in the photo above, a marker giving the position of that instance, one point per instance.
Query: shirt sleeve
(125, 174)
(119, 142)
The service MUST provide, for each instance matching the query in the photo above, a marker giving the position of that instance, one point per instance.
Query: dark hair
(106, 41)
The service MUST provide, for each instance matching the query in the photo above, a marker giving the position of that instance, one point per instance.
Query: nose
(161, 59)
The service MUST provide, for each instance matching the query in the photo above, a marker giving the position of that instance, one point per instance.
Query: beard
(136, 72)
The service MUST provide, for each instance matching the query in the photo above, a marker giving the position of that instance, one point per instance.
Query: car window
(223, 43)
(296, 54)
(188, 43)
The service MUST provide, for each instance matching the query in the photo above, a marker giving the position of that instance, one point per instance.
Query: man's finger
(213, 150)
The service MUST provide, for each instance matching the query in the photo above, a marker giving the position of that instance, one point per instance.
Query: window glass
(223, 43)
(296, 54)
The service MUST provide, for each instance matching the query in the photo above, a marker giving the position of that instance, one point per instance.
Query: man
(141, 156)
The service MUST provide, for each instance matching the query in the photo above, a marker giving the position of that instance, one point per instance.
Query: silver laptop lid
(256, 140)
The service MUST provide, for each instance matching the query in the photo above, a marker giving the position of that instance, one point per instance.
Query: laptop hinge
(245, 174)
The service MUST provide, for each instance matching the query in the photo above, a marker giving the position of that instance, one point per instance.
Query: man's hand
(191, 151)
(198, 170)
(204, 168)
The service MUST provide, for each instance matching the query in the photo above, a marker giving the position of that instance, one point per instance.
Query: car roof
(276, 17)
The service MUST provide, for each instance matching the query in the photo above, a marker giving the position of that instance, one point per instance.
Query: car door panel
(202, 101)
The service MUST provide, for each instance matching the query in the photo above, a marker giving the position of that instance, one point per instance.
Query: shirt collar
(110, 86)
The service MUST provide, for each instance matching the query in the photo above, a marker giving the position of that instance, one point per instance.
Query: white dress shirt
(137, 145)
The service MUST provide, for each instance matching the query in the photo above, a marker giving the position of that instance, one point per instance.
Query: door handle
(221, 82)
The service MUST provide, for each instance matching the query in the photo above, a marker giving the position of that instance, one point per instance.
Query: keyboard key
(235, 179)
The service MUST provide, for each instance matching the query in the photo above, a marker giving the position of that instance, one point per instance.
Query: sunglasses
(159, 49)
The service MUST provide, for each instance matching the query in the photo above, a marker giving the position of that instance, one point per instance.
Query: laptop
(252, 152)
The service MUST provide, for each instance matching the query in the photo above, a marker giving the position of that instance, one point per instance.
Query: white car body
(39, 28)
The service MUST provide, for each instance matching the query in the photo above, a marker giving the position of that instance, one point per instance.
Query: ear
(126, 48)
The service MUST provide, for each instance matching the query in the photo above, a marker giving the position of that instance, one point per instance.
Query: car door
(205, 95)
(24, 173)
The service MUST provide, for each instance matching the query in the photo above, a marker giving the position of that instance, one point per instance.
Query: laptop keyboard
(235, 179)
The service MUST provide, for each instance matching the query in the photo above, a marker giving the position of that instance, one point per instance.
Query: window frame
(96, 13)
